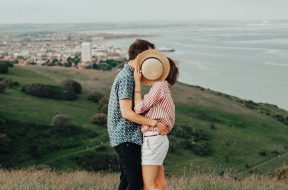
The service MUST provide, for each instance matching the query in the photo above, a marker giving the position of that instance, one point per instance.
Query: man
(123, 123)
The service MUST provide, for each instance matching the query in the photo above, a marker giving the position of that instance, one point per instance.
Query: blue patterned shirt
(121, 130)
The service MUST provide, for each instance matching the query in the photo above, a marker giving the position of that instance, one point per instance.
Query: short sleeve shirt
(121, 130)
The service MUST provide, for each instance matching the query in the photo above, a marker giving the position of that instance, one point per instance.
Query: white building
(86, 53)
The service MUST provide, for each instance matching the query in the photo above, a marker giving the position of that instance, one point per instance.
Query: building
(86, 52)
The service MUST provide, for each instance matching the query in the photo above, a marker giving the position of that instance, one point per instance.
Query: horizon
(151, 21)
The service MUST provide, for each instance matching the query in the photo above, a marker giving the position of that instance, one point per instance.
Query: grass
(46, 179)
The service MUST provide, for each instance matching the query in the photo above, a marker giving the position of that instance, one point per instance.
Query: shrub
(103, 104)
(9, 82)
(5, 144)
(262, 153)
(72, 85)
(3, 86)
(61, 123)
(212, 126)
(186, 132)
(180, 133)
(99, 118)
(276, 152)
(250, 104)
(95, 97)
(201, 148)
(104, 108)
(3, 68)
(2, 122)
(198, 148)
(98, 161)
(8, 63)
(49, 91)
(35, 151)
(283, 119)
(190, 138)
(103, 101)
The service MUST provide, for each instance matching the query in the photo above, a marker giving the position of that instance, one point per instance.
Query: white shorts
(154, 149)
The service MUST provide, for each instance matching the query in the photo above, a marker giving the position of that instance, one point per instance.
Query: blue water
(248, 62)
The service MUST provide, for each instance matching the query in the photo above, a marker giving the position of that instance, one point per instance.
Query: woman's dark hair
(138, 47)
(173, 73)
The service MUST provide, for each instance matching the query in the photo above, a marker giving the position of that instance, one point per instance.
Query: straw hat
(154, 66)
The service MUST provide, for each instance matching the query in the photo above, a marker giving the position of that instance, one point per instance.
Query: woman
(157, 104)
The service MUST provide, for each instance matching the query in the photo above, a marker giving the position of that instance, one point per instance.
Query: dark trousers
(130, 166)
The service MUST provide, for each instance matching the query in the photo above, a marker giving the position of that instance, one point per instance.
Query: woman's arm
(137, 92)
(155, 94)
(129, 114)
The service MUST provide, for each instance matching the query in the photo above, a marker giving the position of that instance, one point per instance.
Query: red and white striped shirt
(158, 104)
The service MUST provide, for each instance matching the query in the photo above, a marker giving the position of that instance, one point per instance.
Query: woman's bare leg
(161, 182)
(149, 176)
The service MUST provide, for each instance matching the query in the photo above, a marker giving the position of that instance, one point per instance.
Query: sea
(247, 60)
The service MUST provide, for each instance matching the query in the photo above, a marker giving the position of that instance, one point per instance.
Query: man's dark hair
(138, 47)
(173, 73)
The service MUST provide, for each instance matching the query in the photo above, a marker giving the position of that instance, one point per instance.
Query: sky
(78, 11)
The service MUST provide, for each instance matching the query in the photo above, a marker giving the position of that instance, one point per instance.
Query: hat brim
(152, 53)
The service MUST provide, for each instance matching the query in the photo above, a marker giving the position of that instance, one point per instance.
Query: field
(238, 135)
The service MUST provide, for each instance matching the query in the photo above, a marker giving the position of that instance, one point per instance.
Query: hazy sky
(59, 11)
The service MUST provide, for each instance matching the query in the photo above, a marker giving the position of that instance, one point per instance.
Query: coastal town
(78, 49)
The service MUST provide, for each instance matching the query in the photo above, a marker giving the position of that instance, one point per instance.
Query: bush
(3, 68)
(49, 91)
(103, 101)
(104, 108)
(2, 122)
(95, 97)
(103, 104)
(198, 148)
(262, 153)
(99, 118)
(250, 104)
(8, 63)
(72, 85)
(35, 151)
(5, 144)
(98, 161)
(190, 138)
(186, 132)
(61, 123)
(9, 82)
(3, 86)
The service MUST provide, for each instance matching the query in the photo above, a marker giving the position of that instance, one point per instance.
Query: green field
(234, 131)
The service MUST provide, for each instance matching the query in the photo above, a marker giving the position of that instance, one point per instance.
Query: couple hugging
(138, 127)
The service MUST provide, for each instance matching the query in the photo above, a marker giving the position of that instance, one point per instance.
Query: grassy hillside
(212, 131)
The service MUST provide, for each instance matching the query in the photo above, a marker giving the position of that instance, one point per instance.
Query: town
(70, 49)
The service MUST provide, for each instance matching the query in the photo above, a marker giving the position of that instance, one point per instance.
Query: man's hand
(162, 128)
(137, 73)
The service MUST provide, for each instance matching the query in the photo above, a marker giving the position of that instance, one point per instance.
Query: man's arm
(129, 114)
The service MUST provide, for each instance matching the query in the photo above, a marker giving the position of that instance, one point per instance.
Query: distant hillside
(213, 130)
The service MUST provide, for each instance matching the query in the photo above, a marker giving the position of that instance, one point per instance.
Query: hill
(213, 130)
